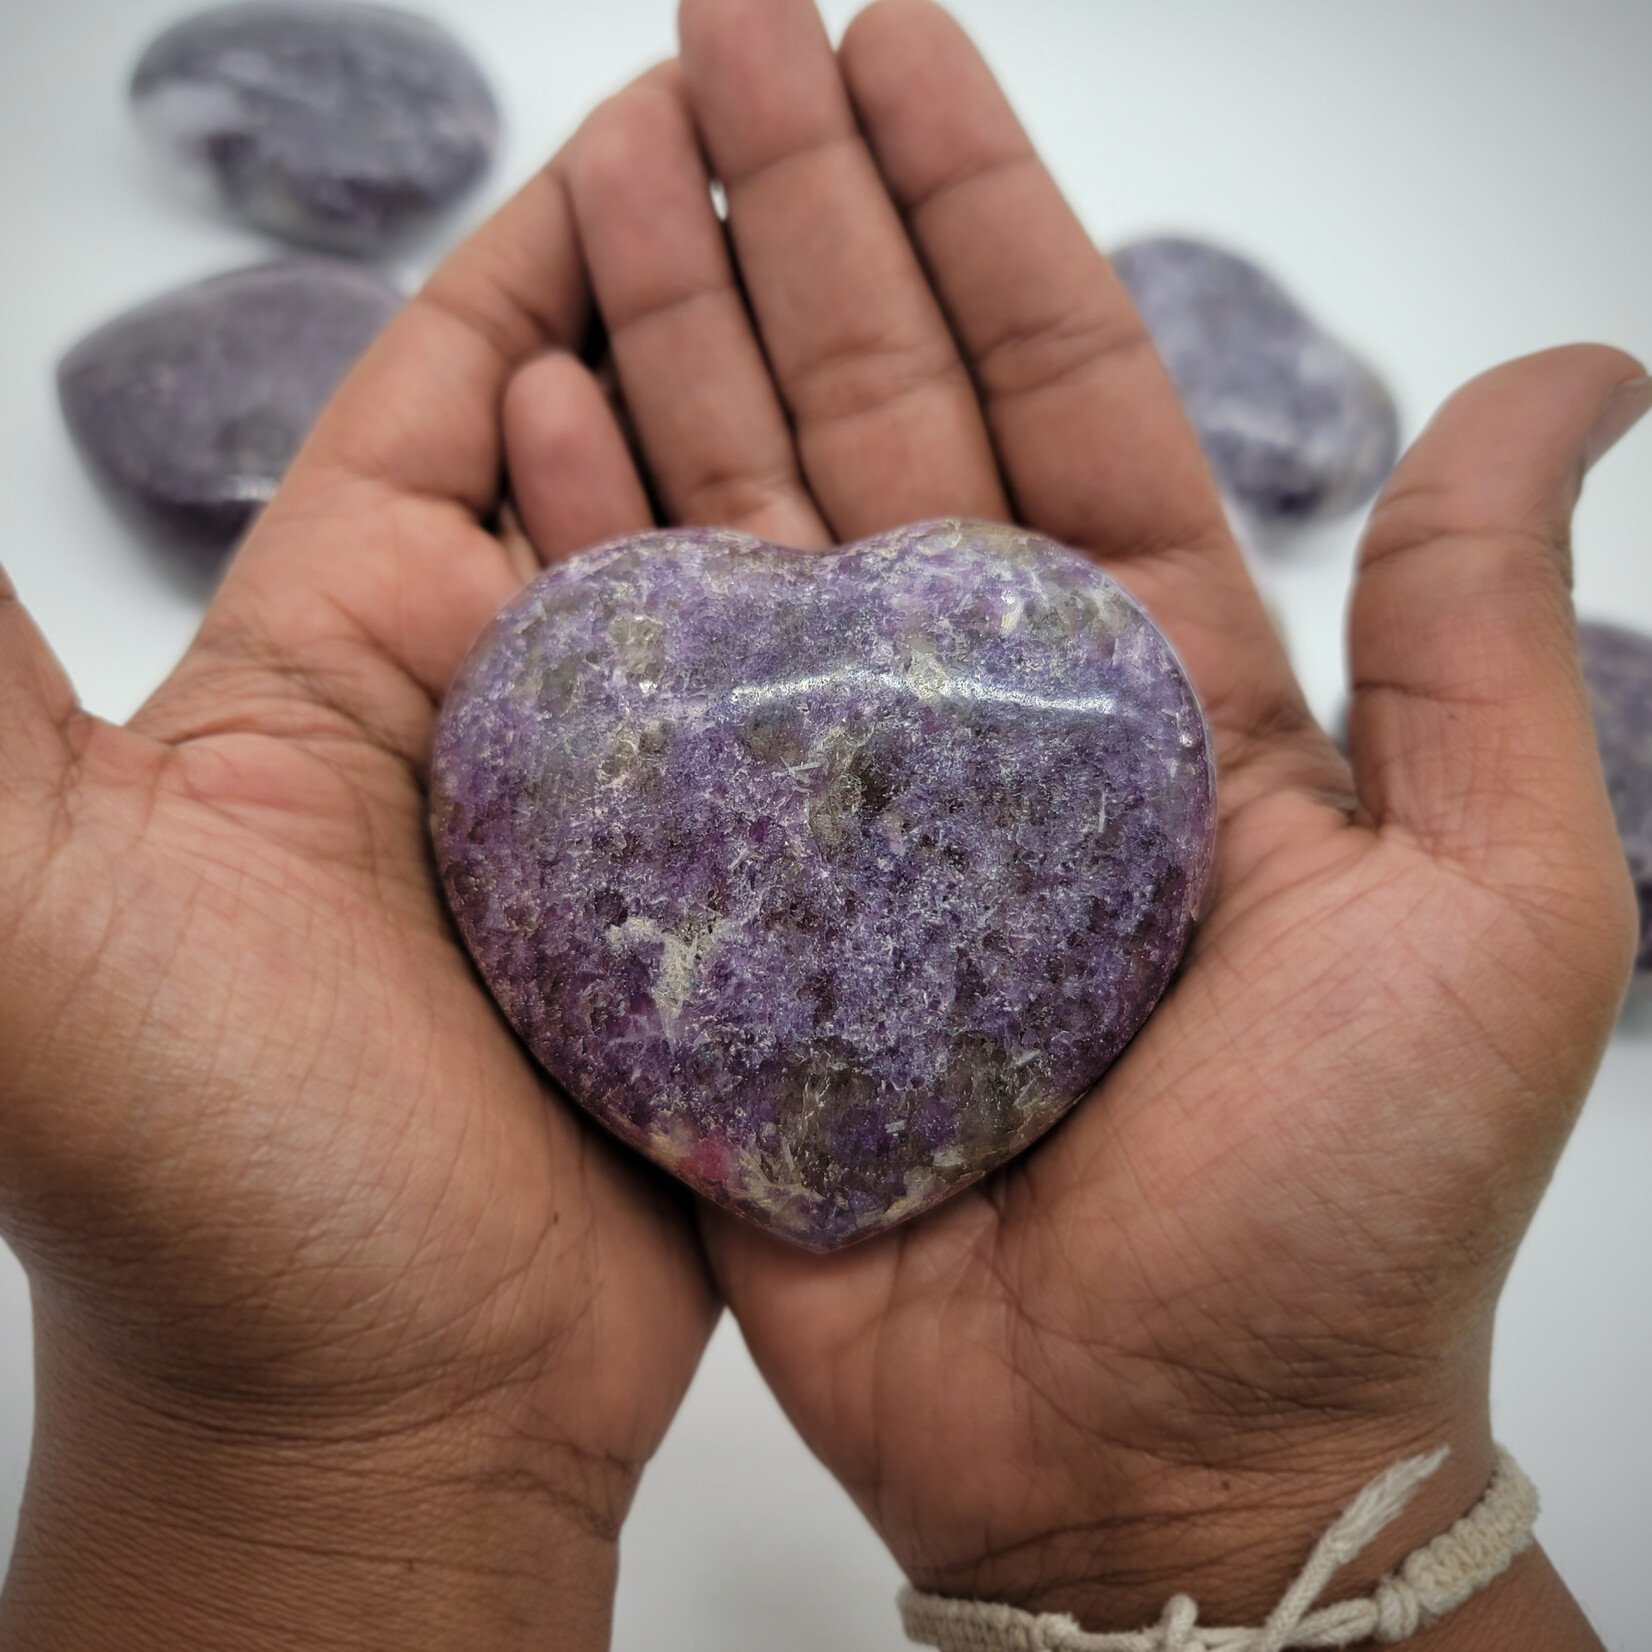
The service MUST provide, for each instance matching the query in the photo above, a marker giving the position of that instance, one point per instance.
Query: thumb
(37, 705)
(37, 714)
(1469, 726)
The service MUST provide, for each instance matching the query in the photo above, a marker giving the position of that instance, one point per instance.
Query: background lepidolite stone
(324, 122)
(1617, 665)
(189, 409)
(829, 880)
(1295, 426)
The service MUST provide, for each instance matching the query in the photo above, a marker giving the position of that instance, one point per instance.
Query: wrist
(1234, 1531)
(1482, 1576)
(152, 1524)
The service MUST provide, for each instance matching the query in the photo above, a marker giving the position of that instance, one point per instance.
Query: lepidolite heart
(189, 409)
(327, 122)
(828, 880)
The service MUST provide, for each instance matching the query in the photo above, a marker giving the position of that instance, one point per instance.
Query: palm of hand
(1292, 1200)
(240, 1025)
(1275, 1215)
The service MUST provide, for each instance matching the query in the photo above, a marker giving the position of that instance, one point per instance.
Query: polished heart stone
(1294, 424)
(324, 122)
(828, 880)
(189, 409)
(1617, 665)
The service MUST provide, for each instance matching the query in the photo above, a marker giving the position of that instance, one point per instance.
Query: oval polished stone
(1617, 666)
(1295, 426)
(330, 124)
(828, 880)
(189, 409)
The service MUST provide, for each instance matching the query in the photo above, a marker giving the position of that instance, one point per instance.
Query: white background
(1448, 185)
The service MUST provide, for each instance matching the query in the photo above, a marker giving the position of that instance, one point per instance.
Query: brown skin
(350, 1331)
(1261, 1263)
(351, 1334)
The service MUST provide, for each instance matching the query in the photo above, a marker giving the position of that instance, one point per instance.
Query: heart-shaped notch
(828, 880)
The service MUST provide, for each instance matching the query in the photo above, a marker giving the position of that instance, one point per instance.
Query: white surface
(1450, 185)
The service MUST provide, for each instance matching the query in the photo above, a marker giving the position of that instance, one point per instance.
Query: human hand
(1261, 1262)
(349, 1331)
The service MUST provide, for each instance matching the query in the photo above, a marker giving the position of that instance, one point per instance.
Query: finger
(420, 415)
(370, 573)
(1469, 725)
(1088, 429)
(571, 472)
(1063, 359)
(706, 413)
(887, 421)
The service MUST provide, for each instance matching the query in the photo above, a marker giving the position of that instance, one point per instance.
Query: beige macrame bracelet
(1430, 1582)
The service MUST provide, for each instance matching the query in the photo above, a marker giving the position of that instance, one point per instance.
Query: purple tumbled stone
(1294, 424)
(189, 409)
(324, 122)
(1617, 665)
(828, 880)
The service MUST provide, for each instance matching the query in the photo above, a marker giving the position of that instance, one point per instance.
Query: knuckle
(738, 497)
(1434, 518)
(1043, 351)
(809, 148)
(984, 170)
(865, 370)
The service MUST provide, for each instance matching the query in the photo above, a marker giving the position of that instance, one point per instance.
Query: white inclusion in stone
(190, 111)
(679, 965)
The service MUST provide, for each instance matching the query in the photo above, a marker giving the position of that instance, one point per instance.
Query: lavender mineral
(1617, 665)
(829, 881)
(1295, 426)
(189, 409)
(325, 122)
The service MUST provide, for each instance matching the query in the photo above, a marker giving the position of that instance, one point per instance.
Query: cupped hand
(339, 1306)
(1261, 1261)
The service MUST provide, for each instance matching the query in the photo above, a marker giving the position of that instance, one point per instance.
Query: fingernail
(1628, 404)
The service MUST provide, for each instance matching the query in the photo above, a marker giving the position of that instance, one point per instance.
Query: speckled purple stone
(829, 881)
(1294, 424)
(330, 124)
(189, 409)
(1617, 665)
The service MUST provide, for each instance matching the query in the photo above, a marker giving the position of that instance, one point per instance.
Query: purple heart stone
(1295, 426)
(829, 880)
(1617, 665)
(320, 121)
(189, 409)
